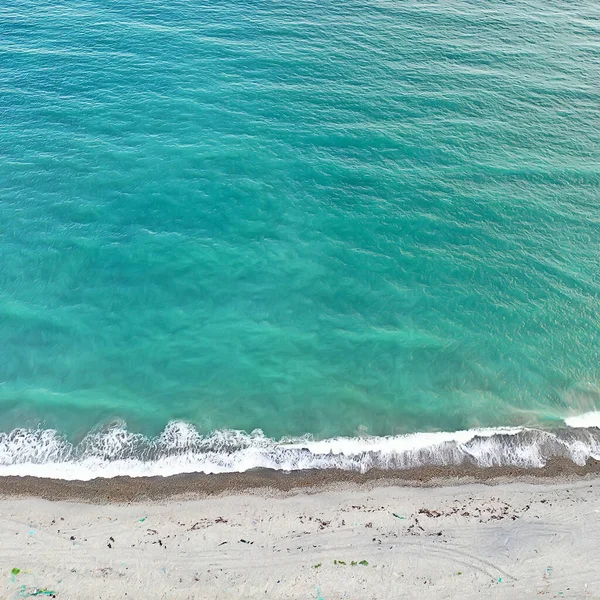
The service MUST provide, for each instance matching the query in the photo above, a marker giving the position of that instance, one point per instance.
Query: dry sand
(346, 541)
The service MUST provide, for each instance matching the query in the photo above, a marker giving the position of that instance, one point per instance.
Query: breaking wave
(180, 448)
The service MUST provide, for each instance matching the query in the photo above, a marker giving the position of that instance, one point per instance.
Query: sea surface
(296, 233)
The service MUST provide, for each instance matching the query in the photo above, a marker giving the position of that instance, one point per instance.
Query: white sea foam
(181, 448)
(588, 419)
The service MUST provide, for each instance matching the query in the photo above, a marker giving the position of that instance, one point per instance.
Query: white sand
(476, 549)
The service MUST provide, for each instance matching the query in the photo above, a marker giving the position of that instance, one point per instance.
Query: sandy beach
(332, 541)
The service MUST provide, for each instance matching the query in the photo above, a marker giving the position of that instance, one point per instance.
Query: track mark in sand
(459, 553)
(39, 534)
(456, 554)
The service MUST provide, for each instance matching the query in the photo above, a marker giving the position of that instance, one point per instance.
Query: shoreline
(181, 450)
(269, 482)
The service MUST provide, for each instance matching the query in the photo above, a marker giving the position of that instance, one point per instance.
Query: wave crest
(181, 448)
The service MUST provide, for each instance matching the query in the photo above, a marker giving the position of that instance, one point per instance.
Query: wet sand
(267, 481)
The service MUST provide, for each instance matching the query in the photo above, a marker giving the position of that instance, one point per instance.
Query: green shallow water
(304, 217)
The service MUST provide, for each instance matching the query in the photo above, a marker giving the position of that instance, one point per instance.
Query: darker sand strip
(136, 489)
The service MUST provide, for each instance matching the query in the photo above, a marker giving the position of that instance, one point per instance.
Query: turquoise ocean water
(325, 219)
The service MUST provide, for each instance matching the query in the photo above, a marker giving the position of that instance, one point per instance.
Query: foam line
(180, 448)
